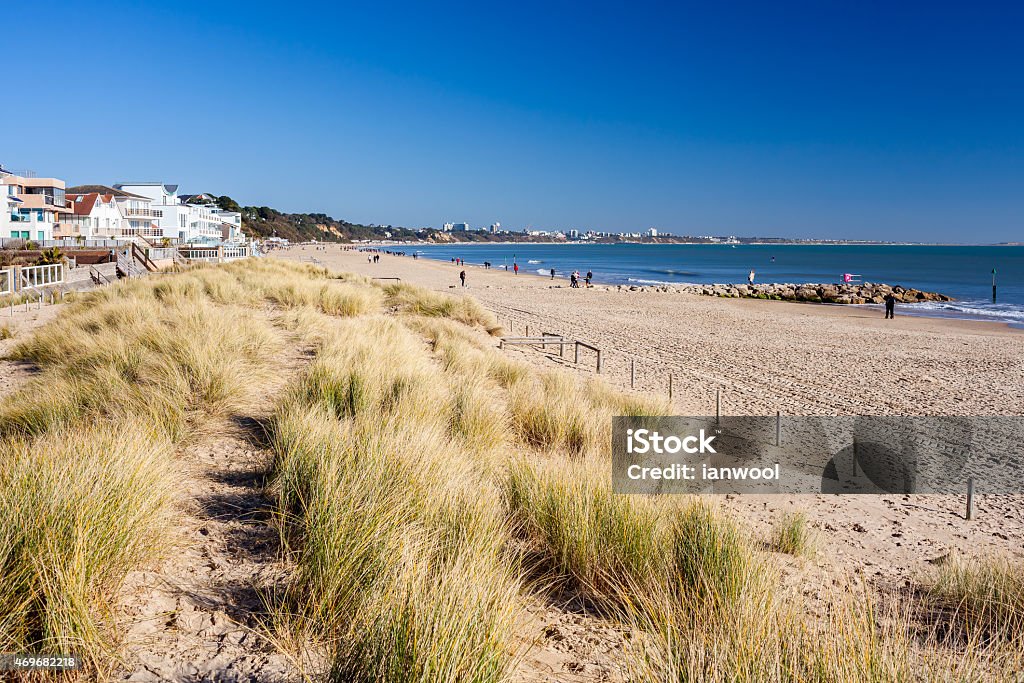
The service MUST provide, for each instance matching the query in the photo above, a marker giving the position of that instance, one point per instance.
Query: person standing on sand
(515, 268)
(750, 277)
(552, 273)
(890, 305)
(462, 276)
(590, 276)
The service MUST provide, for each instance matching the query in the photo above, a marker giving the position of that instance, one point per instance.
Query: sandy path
(768, 356)
(198, 616)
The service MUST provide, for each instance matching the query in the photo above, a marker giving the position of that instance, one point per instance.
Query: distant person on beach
(750, 277)
(515, 268)
(462, 276)
(590, 276)
(574, 279)
(890, 305)
(552, 273)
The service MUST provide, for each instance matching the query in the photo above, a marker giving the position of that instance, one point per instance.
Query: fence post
(576, 358)
(561, 348)
(527, 329)
(970, 498)
(632, 373)
(778, 428)
(670, 386)
(718, 405)
(599, 361)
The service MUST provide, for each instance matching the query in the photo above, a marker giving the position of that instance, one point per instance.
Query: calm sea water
(964, 273)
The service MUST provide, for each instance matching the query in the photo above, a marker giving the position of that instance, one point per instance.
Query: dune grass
(80, 507)
(426, 488)
(419, 301)
(792, 534)
(398, 539)
(984, 595)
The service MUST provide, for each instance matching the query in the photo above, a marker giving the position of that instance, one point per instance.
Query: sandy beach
(766, 356)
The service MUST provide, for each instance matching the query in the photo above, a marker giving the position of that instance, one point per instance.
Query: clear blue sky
(880, 119)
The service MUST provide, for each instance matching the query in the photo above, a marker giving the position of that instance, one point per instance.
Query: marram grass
(427, 487)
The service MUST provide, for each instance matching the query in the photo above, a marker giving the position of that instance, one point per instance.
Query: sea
(962, 272)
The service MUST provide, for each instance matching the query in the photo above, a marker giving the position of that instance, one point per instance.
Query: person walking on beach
(574, 279)
(750, 277)
(590, 276)
(515, 268)
(462, 276)
(552, 273)
(890, 305)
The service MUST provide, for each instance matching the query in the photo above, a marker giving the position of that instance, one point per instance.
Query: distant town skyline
(885, 122)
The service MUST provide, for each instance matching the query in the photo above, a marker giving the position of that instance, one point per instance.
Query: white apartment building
(230, 225)
(178, 220)
(137, 218)
(652, 232)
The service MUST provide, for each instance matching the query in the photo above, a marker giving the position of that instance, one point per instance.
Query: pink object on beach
(847, 277)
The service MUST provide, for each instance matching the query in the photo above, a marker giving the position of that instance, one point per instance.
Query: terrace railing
(6, 281)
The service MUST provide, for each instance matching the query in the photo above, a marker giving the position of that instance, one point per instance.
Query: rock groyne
(859, 293)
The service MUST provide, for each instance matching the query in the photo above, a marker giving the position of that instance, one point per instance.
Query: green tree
(226, 203)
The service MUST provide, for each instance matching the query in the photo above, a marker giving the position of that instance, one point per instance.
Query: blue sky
(875, 120)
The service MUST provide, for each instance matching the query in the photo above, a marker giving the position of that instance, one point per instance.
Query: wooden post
(527, 329)
(632, 373)
(576, 358)
(670, 386)
(970, 499)
(718, 405)
(561, 348)
(778, 428)
(599, 361)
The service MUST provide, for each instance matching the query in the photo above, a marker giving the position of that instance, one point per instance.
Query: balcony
(143, 213)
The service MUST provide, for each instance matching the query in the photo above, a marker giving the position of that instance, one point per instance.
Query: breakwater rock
(859, 293)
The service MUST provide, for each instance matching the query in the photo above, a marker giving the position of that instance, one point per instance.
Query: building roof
(83, 204)
(169, 189)
(192, 198)
(102, 189)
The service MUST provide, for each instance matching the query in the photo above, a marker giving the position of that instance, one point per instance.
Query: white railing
(41, 276)
(160, 253)
(6, 281)
(200, 255)
(143, 213)
(214, 254)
